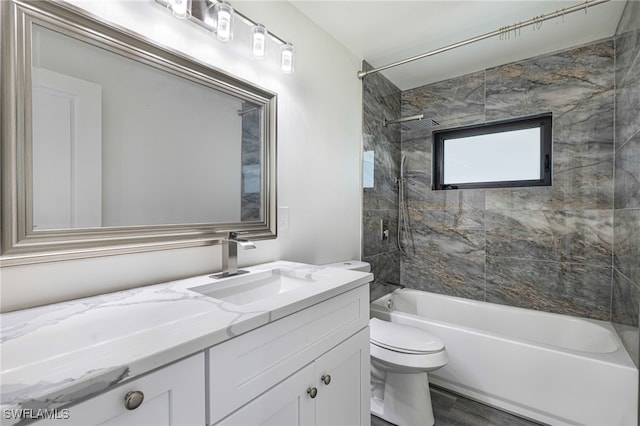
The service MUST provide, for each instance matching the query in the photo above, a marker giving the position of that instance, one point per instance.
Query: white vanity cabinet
(311, 367)
(173, 395)
(343, 381)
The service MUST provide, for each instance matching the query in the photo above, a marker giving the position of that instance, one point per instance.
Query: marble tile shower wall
(544, 248)
(381, 99)
(626, 228)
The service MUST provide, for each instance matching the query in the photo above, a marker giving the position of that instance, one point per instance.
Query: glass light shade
(223, 16)
(180, 8)
(287, 58)
(259, 41)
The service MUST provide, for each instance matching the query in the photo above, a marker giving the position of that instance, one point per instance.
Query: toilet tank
(355, 265)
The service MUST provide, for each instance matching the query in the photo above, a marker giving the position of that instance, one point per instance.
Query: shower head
(413, 122)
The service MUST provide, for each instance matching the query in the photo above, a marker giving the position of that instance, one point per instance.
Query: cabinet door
(342, 375)
(173, 395)
(286, 404)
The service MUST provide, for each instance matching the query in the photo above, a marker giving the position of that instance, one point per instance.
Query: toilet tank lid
(403, 338)
(355, 265)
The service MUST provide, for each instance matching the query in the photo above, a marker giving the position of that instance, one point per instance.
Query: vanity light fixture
(219, 16)
(223, 17)
(181, 9)
(287, 58)
(259, 41)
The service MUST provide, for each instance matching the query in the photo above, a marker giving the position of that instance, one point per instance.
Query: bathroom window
(508, 153)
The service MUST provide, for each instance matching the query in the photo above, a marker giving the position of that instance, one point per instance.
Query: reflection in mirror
(125, 146)
(119, 143)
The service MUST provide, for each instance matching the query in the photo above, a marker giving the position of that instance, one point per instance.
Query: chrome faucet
(230, 255)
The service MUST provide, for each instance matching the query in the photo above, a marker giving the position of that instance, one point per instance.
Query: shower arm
(403, 119)
(533, 21)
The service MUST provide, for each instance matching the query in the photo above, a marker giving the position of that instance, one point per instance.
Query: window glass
(507, 153)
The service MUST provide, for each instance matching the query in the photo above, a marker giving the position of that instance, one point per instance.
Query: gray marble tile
(580, 182)
(417, 172)
(630, 19)
(384, 194)
(436, 231)
(449, 209)
(586, 128)
(557, 82)
(466, 202)
(627, 174)
(628, 105)
(583, 181)
(627, 50)
(564, 288)
(372, 243)
(579, 236)
(380, 95)
(451, 103)
(628, 74)
(454, 274)
(381, 99)
(627, 243)
(625, 313)
(385, 268)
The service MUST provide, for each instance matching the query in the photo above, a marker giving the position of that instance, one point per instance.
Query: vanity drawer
(172, 395)
(244, 367)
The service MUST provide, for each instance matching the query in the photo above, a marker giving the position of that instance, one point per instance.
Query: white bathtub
(552, 368)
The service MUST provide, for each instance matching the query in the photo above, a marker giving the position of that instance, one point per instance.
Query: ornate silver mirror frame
(20, 243)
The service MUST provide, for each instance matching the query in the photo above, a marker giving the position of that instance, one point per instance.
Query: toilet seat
(403, 338)
(401, 358)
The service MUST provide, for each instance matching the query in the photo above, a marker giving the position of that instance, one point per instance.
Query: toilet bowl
(401, 356)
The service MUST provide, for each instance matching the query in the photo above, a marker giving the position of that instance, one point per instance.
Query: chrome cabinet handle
(133, 400)
(312, 392)
(326, 379)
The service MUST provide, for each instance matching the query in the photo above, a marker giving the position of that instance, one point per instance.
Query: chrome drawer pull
(312, 392)
(133, 400)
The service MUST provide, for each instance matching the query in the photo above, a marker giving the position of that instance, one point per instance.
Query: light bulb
(224, 18)
(180, 8)
(287, 58)
(259, 41)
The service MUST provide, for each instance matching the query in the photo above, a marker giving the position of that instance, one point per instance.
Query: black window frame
(543, 121)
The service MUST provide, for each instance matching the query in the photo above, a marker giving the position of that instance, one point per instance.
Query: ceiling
(382, 32)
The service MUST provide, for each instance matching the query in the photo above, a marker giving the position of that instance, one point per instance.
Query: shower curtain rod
(538, 20)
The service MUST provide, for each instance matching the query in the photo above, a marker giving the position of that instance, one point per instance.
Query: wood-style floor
(450, 409)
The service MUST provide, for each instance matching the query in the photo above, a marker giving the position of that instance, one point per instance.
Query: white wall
(319, 144)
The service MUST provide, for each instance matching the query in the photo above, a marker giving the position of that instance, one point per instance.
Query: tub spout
(396, 284)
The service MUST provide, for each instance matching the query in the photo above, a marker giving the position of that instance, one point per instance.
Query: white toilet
(401, 356)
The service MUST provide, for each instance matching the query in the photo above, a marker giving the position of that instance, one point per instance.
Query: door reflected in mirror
(117, 142)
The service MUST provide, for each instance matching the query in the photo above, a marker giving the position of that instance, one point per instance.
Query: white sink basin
(245, 289)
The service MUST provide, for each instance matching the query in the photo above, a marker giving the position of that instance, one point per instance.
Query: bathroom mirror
(112, 144)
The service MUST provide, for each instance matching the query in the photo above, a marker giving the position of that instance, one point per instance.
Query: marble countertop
(56, 354)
